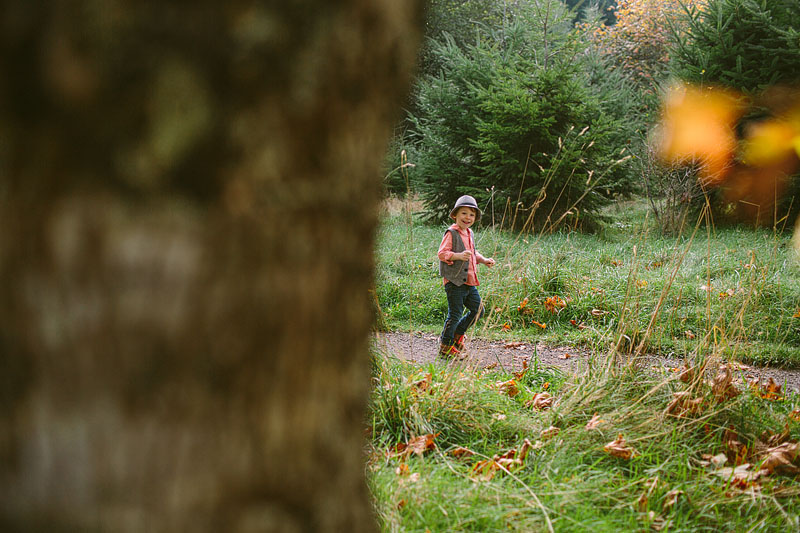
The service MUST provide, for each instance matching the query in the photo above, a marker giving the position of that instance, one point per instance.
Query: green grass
(709, 291)
(568, 483)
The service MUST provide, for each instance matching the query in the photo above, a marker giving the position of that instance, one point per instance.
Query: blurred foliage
(751, 47)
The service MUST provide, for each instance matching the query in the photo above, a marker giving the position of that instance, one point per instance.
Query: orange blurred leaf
(699, 126)
(540, 324)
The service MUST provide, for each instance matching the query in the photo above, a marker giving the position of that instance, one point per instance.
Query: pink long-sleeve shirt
(446, 252)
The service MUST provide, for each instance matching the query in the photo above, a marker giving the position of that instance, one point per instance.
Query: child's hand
(466, 255)
(489, 262)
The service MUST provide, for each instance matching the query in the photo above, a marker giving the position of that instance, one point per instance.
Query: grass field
(611, 448)
(733, 293)
(456, 449)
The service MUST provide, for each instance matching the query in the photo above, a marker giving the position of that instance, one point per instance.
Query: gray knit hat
(466, 201)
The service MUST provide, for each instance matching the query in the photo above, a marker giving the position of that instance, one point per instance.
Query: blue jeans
(457, 299)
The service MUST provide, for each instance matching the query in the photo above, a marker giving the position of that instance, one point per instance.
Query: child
(458, 265)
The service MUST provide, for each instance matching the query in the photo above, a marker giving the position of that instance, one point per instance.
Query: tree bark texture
(188, 202)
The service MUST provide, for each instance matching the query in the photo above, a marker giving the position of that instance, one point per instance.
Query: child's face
(465, 217)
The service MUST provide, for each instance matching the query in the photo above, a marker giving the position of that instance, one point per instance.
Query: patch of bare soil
(422, 348)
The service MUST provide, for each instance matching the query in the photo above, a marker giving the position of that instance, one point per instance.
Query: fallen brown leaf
(549, 433)
(682, 405)
(423, 384)
(618, 448)
(461, 452)
(722, 386)
(540, 401)
(520, 375)
(594, 422)
(782, 458)
(672, 498)
(508, 387)
(418, 445)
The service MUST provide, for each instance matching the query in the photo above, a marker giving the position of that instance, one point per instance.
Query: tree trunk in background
(188, 201)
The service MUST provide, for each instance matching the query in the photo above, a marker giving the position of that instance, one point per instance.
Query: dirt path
(422, 347)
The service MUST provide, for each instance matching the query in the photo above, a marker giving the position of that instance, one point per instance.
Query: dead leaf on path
(618, 448)
(490, 366)
(594, 422)
(540, 401)
(564, 356)
(514, 345)
(771, 391)
(508, 387)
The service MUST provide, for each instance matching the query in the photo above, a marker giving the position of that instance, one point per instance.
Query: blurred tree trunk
(188, 201)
